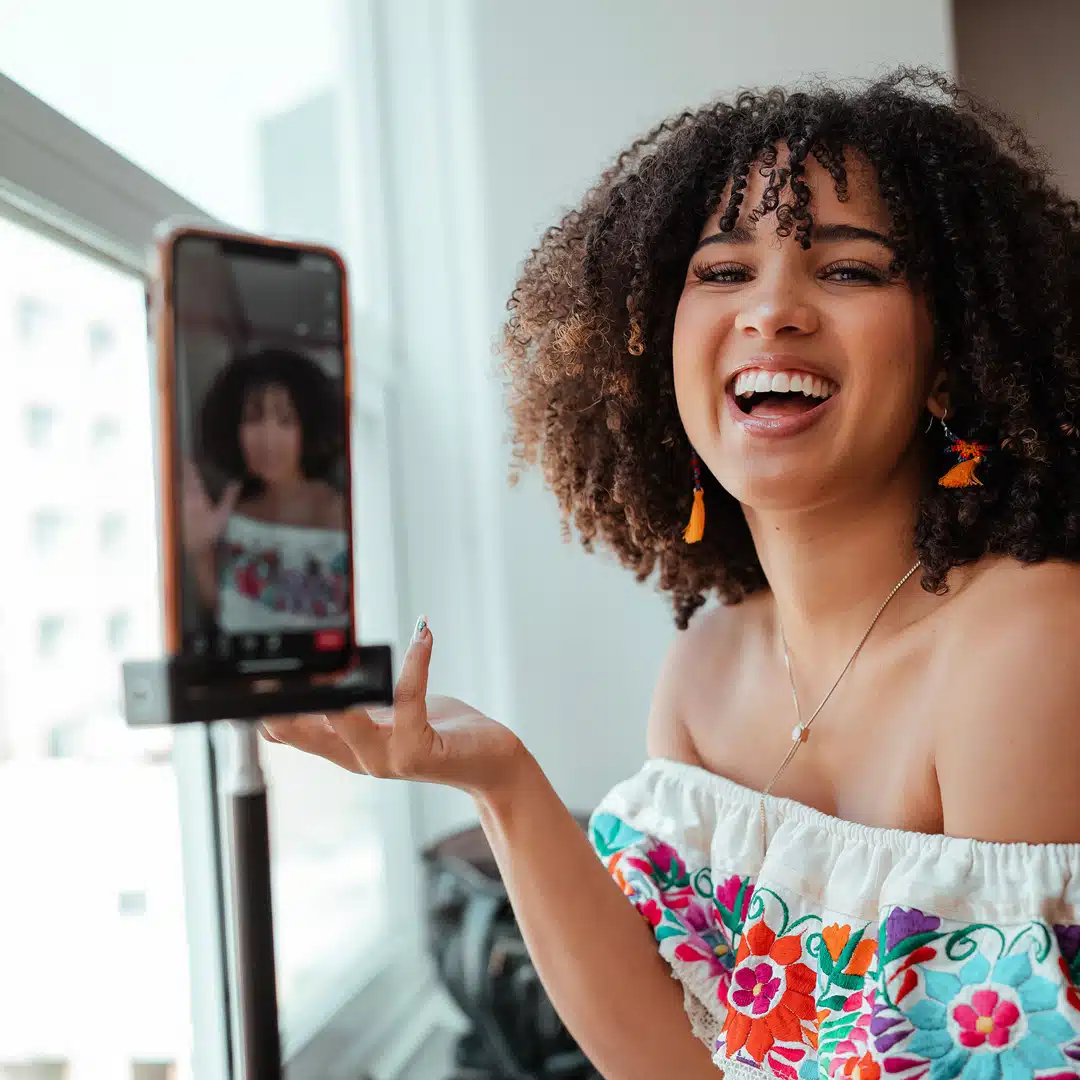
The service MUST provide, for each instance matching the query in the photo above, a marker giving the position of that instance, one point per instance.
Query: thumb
(410, 694)
(226, 504)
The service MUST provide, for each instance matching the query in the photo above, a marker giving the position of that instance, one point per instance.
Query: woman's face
(271, 440)
(836, 352)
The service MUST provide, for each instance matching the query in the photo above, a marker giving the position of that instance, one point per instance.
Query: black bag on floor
(482, 960)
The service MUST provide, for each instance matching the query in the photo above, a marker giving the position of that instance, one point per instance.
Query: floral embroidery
(844, 1043)
(969, 1003)
(772, 1018)
(910, 998)
(694, 925)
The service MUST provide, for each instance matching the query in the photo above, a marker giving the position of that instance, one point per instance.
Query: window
(47, 527)
(92, 928)
(105, 434)
(118, 631)
(39, 423)
(112, 530)
(51, 633)
(102, 342)
(266, 139)
(32, 318)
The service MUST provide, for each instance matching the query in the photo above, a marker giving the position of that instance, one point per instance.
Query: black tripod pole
(256, 1040)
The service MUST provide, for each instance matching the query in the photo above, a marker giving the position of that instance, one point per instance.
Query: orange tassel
(963, 474)
(695, 530)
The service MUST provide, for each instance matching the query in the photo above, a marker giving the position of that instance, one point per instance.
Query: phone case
(161, 317)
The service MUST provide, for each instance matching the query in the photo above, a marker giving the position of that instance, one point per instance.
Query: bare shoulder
(699, 658)
(1009, 740)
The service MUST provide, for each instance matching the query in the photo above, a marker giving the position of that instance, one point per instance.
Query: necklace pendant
(799, 733)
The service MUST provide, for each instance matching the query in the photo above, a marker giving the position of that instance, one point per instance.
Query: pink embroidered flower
(757, 986)
(727, 896)
(852, 1056)
(652, 912)
(667, 868)
(987, 1019)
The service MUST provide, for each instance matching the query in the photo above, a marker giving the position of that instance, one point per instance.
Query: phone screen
(262, 487)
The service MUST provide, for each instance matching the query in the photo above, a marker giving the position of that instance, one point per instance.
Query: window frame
(59, 181)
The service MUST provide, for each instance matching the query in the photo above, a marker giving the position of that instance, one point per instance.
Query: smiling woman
(837, 318)
(758, 321)
(925, 240)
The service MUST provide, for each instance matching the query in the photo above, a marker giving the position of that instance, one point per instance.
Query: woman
(856, 841)
(272, 553)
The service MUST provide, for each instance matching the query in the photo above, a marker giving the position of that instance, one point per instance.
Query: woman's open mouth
(779, 402)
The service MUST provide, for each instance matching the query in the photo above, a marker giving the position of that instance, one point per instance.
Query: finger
(227, 503)
(410, 693)
(313, 735)
(367, 740)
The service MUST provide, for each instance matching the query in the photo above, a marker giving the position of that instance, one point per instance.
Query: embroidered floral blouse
(848, 951)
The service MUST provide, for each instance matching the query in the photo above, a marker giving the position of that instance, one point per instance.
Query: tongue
(777, 406)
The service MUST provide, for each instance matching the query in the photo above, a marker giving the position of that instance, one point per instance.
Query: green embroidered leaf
(665, 932)
(835, 1031)
(610, 835)
(848, 982)
(833, 1001)
(908, 945)
(849, 948)
(824, 960)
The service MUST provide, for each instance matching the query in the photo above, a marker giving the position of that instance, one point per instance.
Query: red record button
(330, 640)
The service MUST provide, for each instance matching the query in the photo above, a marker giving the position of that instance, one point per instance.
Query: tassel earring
(969, 454)
(695, 530)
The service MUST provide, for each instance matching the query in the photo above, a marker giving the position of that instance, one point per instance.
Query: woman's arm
(596, 956)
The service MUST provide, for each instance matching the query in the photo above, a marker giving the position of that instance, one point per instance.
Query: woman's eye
(854, 272)
(722, 273)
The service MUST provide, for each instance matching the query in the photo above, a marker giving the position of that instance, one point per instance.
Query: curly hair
(312, 392)
(977, 224)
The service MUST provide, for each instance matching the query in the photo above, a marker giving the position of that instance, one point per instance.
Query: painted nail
(421, 625)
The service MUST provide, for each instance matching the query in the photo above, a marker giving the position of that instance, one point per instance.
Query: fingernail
(421, 626)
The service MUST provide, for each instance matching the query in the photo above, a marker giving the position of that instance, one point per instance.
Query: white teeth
(753, 381)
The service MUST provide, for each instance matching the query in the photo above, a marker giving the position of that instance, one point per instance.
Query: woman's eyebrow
(822, 234)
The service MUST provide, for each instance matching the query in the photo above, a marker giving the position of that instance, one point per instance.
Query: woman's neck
(286, 495)
(830, 568)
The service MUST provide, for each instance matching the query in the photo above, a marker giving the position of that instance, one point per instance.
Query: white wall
(1023, 56)
(528, 102)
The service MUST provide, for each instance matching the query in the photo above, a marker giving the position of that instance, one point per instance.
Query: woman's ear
(938, 401)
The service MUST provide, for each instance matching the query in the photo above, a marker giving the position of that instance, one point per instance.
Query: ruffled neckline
(734, 793)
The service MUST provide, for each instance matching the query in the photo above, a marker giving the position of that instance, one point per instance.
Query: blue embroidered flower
(984, 1023)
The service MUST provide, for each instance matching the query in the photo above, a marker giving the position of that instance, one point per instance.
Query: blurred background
(431, 141)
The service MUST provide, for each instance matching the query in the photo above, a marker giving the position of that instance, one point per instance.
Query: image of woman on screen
(271, 552)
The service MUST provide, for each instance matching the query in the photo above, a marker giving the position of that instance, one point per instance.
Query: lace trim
(705, 1025)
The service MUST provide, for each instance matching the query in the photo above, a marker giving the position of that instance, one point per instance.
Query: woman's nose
(776, 310)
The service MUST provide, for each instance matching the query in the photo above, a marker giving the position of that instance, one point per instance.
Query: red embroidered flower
(987, 1019)
(1072, 994)
(772, 999)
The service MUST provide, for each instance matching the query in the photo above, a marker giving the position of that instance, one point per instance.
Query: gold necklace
(801, 732)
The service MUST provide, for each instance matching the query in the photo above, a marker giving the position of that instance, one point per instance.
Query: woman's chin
(761, 485)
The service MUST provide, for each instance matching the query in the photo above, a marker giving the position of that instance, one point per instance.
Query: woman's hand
(203, 521)
(438, 740)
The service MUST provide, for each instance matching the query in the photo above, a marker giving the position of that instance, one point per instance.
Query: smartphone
(252, 339)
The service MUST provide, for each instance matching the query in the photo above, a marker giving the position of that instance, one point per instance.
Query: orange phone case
(163, 316)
